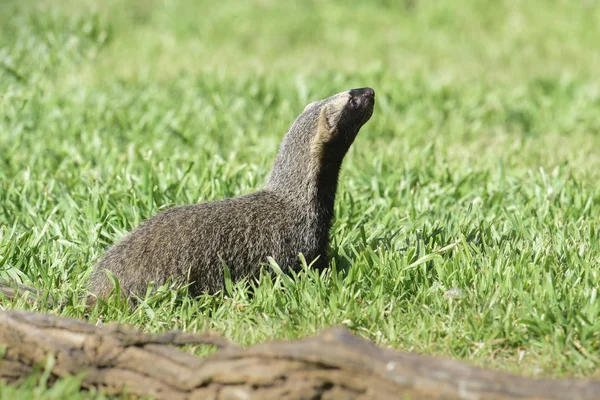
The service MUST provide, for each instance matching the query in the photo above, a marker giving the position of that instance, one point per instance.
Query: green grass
(478, 171)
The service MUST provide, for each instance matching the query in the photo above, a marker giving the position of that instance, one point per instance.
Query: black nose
(366, 92)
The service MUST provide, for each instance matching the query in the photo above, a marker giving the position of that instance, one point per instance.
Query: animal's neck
(326, 189)
(309, 184)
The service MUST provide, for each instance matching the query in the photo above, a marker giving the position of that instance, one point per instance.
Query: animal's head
(338, 119)
(317, 142)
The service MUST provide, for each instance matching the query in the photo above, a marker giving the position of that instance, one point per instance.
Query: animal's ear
(325, 130)
(308, 106)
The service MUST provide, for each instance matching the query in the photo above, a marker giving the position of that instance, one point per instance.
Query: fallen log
(332, 365)
(13, 291)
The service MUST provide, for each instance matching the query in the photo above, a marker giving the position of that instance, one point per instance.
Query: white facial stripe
(336, 105)
(339, 101)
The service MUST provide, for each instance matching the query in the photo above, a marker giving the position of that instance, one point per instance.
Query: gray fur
(291, 215)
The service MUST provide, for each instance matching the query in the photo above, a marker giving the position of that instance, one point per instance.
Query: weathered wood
(332, 365)
(15, 291)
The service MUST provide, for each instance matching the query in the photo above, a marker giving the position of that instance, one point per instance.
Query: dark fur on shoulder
(291, 215)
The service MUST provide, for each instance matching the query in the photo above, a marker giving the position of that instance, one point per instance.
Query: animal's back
(196, 240)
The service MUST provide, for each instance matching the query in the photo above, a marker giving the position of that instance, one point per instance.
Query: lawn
(478, 171)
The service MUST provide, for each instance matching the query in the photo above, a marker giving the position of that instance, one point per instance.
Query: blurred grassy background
(484, 138)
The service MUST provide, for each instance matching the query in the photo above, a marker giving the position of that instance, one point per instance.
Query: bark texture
(332, 365)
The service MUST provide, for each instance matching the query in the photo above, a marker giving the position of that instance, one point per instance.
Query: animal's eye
(354, 102)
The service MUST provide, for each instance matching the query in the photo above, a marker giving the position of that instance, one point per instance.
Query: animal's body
(291, 215)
